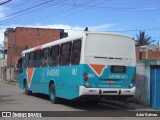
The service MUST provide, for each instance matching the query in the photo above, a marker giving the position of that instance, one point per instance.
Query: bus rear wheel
(27, 92)
(53, 97)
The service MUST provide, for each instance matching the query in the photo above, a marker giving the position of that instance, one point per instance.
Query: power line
(5, 2)
(57, 12)
(73, 12)
(112, 8)
(60, 3)
(27, 9)
(39, 10)
(85, 6)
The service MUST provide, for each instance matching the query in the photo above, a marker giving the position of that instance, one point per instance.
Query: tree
(143, 39)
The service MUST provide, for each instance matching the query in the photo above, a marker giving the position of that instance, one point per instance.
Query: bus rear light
(86, 78)
(134, 77)
(84, 74)
(132, 81)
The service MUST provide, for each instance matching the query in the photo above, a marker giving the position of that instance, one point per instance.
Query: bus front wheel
(53, 97)
(27, 92)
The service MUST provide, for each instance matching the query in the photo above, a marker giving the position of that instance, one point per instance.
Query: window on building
(37, 62)
(76, 51)
(65, 53)
(31, 60)
(54, 55)
(45, 57)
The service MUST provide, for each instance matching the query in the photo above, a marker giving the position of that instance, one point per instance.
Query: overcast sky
(121, 16)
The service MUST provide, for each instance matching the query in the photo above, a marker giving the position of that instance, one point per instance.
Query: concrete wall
(3, 64)
(143, 80)
(9, 73)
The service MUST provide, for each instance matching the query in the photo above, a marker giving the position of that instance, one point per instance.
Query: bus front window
(20, 65)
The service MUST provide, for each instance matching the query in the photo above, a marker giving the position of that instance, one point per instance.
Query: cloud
(3, 11)
(68, 28)
(147, 8)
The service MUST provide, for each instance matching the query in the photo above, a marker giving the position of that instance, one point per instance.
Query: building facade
(22, 38)
(148, 52)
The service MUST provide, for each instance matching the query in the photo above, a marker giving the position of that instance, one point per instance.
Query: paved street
(13, 99)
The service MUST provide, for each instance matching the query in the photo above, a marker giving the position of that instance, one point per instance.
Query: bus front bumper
(106, 91)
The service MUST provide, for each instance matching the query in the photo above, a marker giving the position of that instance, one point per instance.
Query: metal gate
(155, 87)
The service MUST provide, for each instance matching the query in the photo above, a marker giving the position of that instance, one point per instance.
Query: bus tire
(52, 94)
(27, 92)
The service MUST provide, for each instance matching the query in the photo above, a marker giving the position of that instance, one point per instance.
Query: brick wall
(21, 37)
(152, 55)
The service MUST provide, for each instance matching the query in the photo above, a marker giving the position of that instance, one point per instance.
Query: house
(148, 75)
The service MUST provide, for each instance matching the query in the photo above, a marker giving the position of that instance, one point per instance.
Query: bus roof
(70, 38)
(108, 33)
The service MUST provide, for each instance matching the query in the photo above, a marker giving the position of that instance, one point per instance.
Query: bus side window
(65, 54)
(26, 59)
(76, 51)
(54, 55)
(45, 57)
(31, 60)
(37, 62)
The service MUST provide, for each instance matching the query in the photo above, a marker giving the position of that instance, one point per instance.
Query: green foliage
(143, 39)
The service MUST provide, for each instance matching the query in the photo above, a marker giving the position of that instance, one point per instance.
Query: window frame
(30, 64)
(26, 59)
(45, 61)
(37, 61)
(54, 59)
(48, 48)
(39, 54)
(79, 52)
(63, 57)
(20, 65)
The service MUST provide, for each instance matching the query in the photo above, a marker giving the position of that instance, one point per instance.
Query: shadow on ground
(81, 105)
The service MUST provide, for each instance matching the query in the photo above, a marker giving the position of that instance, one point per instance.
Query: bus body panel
(68, 87)
(107, 79)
